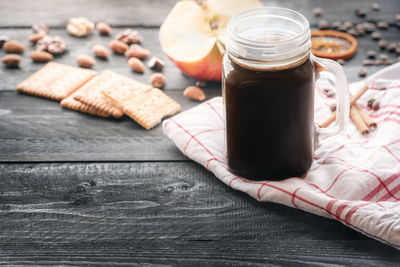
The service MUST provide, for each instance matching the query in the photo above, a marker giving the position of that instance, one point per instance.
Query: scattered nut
(157, 79)
(375, 105)
(375, 7)
(201, 83)
(36, 37)
(85, 61)
(398, 50)
(371, 54)
(382, 44)
(370, 102)
(332, 107)
(103, 28)
(383, 57)
(369, 27)
(398, 59)
(54, 45)
(391, 47)
(376, 35)
(323, 24)
(353, 32)
(129, 36)
(137, 51)
(318, 11)
(362, 72)
(40, 56)
(100, 51)
(382, 25)
(195, 93)
(336, 24)
(398, 17)
(136, 65)
(118, 47)
(12, 46)
(156, 63)
(3, 39)
(40, 27)
(79, 27)
(11, 60)
(361, 12)
(368, 62)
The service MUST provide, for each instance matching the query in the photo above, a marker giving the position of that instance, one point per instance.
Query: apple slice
(193, 35)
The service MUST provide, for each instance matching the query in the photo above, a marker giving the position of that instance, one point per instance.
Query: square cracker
(55, 81)
(91, 93)
(146, 105)
(70, 103)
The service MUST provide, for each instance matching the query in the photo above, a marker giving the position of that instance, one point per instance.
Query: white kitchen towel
(354, 179)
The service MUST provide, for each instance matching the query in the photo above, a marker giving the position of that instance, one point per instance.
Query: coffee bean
(382, 25)
(375, 7)
(391, 47)
(341, 61)
(382, 44)
(360, 28)
(371, 54)
(323, 24)
(318, 11)
(362, 72)
(376, 35)
(361, 12)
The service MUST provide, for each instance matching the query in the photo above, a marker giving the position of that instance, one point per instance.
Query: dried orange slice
(333, 44)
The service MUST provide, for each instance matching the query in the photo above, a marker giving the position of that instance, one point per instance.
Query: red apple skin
(208, 68)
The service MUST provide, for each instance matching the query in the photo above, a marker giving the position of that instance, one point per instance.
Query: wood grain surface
(79, 190)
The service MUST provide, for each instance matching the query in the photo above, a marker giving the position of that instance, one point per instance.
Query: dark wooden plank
(152, 12)
(36, 129)
(9, 78)
(164, 213)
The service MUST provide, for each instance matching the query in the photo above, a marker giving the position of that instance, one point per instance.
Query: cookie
(144, 104)
(55, 81)
(70, 103)
(91, 93)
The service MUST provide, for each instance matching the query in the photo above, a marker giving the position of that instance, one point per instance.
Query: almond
(157, 79)
(103, 28)
(36, 37)
(40, 56)
(11, 60)
(118, 47)
(85, 61)
(195, 93)
(100, 51)
(137, 51)
(13, 46)
(136, 65)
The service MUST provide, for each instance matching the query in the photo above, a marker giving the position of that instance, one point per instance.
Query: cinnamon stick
(358, 121)
(353, 100)
(367, 119)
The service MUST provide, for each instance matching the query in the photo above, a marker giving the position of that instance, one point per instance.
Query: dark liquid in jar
(269, 120)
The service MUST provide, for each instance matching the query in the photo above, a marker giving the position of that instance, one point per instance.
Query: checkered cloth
(354, 179)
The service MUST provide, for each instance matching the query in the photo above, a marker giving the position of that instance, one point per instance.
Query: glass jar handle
(334, 73)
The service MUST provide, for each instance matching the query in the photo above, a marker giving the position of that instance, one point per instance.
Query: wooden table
(150, 203)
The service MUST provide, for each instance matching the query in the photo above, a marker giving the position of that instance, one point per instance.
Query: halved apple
(193, 35)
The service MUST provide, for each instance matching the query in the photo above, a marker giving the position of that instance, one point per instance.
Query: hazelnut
(157, 79)
(156, 63)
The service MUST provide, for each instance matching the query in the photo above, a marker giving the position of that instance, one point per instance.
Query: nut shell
(36, 37)
(100, 51)
(40, 56)
(11, 60)
(195, 93)
(103, 28)
(118, 47)
(13, 46)
(136, 65)
(85, 61)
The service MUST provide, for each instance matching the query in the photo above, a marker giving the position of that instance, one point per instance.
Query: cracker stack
(108, 94)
